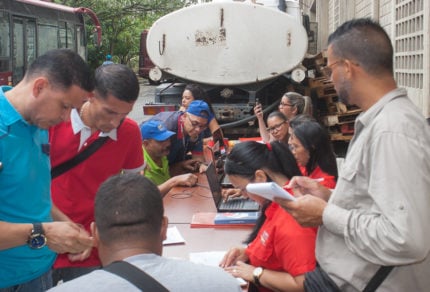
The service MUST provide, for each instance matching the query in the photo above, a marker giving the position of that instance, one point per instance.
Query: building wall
(408, 24)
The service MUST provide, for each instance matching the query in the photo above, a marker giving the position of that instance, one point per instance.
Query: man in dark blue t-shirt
(186, 153)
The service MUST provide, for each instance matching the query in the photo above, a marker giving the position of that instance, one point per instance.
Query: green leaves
(122, 21)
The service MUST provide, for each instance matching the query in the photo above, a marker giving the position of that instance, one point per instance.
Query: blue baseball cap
(199, 108)
(156, 130)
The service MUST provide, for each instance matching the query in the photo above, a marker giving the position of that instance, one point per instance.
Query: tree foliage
(122, 22)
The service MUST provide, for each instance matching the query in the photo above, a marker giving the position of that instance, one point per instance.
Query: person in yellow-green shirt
(156, 147)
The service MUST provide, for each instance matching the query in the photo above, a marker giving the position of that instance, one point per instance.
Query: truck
(237, 52)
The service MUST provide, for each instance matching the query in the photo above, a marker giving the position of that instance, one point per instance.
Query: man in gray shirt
(130, 226)
(378, 214)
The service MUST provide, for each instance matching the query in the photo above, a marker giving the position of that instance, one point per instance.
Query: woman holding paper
(279, 250)
(310, 145)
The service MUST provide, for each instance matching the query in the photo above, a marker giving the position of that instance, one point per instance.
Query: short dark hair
(363, 41)
(316, 141)
(277, 114)
(63, 68)
(117, 80)
(199, 93)
(128, 206)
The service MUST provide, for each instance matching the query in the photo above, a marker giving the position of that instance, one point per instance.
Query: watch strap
(37, 229)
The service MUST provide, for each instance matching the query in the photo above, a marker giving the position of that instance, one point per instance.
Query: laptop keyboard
(237, 203)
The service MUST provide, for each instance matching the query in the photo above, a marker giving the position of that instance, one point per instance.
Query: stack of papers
(211, 258)
(173, 236)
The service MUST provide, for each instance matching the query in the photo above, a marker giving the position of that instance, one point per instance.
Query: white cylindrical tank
(227, 43)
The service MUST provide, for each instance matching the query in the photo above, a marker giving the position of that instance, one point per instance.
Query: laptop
(218, 161)
(232, 204)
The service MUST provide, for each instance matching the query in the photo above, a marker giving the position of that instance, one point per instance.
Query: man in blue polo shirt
(54, 83)
(156, 147)
(186, 153)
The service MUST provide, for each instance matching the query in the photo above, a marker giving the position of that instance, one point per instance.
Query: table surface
(180, 204)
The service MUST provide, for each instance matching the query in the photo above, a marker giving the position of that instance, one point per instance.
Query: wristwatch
(257, 274)
(37, 238)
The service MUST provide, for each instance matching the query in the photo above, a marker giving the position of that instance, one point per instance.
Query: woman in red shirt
(311, 146)
(279, 250)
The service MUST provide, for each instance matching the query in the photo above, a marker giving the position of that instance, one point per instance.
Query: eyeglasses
(285, 104)
(327, 70)
(275, 128)
(196, 125)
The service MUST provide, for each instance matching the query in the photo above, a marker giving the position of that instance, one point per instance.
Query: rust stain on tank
(216, 36)
(288, 39)
(209, 38)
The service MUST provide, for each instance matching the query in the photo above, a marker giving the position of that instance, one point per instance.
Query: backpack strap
(136, 276)
(378, 278)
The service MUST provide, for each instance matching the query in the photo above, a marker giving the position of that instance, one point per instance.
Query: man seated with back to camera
(189, 127)
(130, 226)
(156, 147)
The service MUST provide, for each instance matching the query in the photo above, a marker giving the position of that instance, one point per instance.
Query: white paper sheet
(173, 236)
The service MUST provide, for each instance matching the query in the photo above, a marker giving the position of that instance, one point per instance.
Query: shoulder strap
(65, 166)
(136, 276)
(378, 278)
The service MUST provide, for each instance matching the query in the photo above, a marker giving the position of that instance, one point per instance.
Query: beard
(343, 91)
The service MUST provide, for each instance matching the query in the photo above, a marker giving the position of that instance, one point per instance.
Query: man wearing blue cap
(156, 145)
(108, 60)
(186, 153)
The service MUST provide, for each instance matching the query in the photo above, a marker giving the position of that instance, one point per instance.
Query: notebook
(232, 204)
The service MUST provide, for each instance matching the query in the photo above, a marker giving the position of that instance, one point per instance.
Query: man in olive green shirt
(156, 147)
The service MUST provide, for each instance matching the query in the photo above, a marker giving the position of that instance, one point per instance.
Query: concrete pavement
(146, 95)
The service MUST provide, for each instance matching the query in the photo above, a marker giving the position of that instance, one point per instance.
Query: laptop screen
(214, 184)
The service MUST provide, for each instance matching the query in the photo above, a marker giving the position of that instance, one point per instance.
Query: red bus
(29, 28)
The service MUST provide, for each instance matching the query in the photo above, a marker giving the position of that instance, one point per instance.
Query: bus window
(49, 35)
(24, 53)
(18, 52)
(80, 42)
(67, 35)
(31, 42)
(4, 42)
(71, 39)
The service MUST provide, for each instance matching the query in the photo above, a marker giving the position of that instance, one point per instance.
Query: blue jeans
(40, 284)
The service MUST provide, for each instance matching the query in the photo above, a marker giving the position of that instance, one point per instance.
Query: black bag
(319, 281)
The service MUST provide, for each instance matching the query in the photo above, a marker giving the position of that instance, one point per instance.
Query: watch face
(257, 272)
(37, 241)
